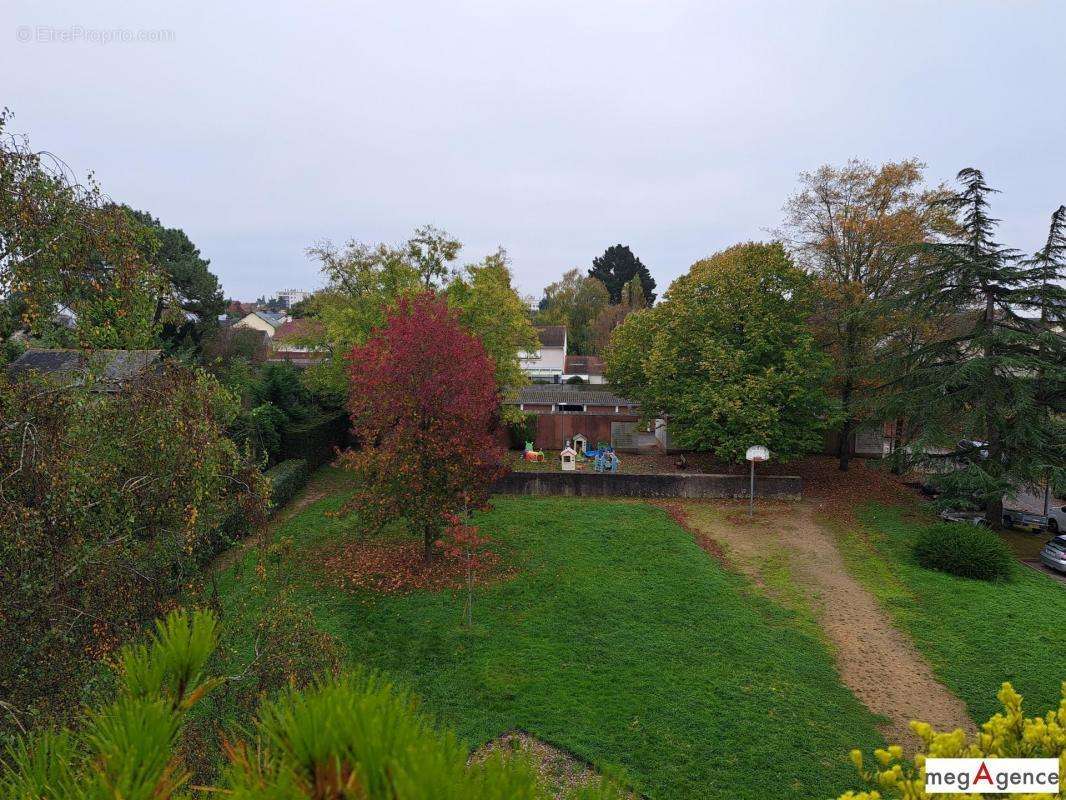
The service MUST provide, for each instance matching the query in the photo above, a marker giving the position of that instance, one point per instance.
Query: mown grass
(975, 634)
(618, 639)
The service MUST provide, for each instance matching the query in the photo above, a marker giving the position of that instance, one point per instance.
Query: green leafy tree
(990, 387)
(576, 301)
(430, 250)
(489, 307)
(854, 229)
(727, 357)
(364, 283)
(63, 246)
(617, 267)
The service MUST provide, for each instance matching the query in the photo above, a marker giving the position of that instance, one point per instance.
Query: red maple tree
(424, 408)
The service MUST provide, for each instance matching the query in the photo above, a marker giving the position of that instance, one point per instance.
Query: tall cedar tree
(617, 267)
(991, 384)
(853, 228)
(425, 408)
(189, 307)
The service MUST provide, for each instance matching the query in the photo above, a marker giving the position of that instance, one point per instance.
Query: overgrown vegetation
(110, 502)
(353, 737)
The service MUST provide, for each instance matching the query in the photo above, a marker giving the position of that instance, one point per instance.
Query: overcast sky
(554, 128)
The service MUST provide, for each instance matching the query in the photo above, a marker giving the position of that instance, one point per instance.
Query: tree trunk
(429, 537)
(994, 514)
(846, 426)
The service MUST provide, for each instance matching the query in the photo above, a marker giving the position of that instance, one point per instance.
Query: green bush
(112, 501)
(969, 551)
(522, 431)
(286, 479)
(314, 439)
(352, 737)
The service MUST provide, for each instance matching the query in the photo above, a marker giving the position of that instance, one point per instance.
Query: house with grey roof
(589, 413)
(107, 369)
(266, 321)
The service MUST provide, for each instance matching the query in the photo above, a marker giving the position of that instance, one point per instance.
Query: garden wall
(584, 484)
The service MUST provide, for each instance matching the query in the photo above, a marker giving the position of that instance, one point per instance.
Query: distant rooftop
(583, 365)
(593, 395)
(110, 366)
(552, 335)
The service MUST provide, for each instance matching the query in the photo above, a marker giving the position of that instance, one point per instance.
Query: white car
(1056, 519)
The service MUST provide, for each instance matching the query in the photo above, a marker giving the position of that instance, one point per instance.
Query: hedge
(970, 551)
(286, 479)
(313, 440)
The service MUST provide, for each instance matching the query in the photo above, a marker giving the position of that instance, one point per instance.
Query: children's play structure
(603, 456)
(573, 457)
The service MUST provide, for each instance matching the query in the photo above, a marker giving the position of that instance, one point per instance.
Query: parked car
(969, 517)
(1054, 554)
(1012, 518)
(1056, 519)
(1023, 520)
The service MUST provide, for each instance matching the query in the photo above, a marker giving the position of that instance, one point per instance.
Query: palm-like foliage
(354, 738)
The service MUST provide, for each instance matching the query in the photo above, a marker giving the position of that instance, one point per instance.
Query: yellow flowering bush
(1007, 734)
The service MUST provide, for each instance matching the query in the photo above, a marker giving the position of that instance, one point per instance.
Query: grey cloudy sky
(554, 128)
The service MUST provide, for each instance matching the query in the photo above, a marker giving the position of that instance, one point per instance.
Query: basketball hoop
(755, 453)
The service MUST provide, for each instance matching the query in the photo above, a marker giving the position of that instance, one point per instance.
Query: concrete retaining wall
(586, 484)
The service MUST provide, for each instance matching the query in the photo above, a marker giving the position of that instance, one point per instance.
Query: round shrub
(970, 551)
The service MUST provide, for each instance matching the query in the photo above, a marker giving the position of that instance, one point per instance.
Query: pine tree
(988, 384)
(616, 267)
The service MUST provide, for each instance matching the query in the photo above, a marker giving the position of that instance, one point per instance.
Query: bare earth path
(876, 661)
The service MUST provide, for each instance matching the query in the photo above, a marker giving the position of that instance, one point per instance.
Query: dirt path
(876, 661)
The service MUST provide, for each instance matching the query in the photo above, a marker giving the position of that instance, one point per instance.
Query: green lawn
(975, 634)
(618, 639)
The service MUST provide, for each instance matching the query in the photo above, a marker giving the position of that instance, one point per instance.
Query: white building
(547, 364)
(290, 297)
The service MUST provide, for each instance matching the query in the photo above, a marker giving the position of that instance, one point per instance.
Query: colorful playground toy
(606, 460)
(532, 455)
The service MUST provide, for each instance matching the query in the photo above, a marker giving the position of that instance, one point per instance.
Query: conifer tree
(988, 384)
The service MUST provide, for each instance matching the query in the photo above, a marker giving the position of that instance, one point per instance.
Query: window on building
(574, 407)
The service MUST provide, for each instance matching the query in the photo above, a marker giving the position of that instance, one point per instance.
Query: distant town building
(290, 297)
(546, 365)
(266, 321)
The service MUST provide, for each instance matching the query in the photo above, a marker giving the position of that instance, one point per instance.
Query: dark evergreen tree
(193, 289)
(616, 267)
(988, 381)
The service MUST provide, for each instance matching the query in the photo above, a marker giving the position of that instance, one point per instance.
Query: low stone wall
(592, 484)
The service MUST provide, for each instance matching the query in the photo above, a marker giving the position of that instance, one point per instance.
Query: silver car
(1054, 554)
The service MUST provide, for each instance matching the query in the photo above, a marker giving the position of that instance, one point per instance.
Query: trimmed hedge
(286, 479)
(970, 551)
(313, 440)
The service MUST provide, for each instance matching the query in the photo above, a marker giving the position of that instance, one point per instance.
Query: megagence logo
(991, 775)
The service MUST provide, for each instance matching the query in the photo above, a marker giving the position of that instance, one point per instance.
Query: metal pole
(751, 504)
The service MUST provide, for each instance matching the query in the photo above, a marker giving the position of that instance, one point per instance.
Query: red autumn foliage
(424, 407)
